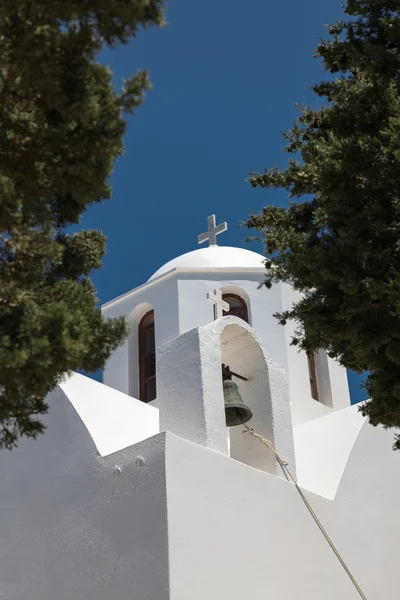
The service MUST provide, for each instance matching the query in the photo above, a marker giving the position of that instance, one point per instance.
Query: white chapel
(194, 470)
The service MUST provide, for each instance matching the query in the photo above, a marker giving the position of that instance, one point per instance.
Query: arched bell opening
(241, 352)
(191, 392)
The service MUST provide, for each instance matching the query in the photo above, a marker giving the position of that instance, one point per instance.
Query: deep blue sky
(226, 75)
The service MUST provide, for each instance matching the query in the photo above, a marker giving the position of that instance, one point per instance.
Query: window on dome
(312, 371)
(147, 358)
(237, 307)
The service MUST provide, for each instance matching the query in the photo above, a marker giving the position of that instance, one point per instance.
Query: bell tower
(198, 399)
(209, 283)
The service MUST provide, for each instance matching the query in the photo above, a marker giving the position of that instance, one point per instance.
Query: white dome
(217, 257)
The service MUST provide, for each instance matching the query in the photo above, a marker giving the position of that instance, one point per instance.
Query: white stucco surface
(237, 532)
(121, 370)
(113, 419)
(196, 311)
(74, 528)
(214, 257)
(323, 447)
(190, 389)
(191, 392)
(183, 521)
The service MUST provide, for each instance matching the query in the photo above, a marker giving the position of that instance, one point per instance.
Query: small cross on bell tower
(219, 304)
(212, 232)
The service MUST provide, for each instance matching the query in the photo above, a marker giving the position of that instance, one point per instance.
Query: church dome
(214, 257)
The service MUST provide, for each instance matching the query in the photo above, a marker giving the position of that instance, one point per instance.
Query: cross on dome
(219, 304)
(212, 231)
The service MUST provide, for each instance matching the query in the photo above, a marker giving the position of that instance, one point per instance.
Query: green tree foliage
(341, 244)
(61, 129)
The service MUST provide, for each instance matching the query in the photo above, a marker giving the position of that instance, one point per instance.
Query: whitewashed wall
(121, 371)
(236, 532)
(69, 529)
(189, 523)
(195, 310)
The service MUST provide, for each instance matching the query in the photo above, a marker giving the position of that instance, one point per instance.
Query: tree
(341, 244)
(61, 130)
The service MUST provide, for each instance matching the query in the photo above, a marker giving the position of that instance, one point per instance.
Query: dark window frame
(143, 329)
(243, 303)
(312, 372)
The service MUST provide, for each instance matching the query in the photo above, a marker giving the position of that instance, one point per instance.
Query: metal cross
(213, 231)
(219, 304)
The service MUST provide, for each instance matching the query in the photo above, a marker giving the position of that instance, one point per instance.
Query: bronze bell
(236, 412)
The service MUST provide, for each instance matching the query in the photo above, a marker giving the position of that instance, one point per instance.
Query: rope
(288, 474)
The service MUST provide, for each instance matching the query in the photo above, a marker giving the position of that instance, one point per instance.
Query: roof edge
(182, 270)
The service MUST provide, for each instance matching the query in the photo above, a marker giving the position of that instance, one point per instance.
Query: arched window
(147, 358)
(312, 371)
(237, 307)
